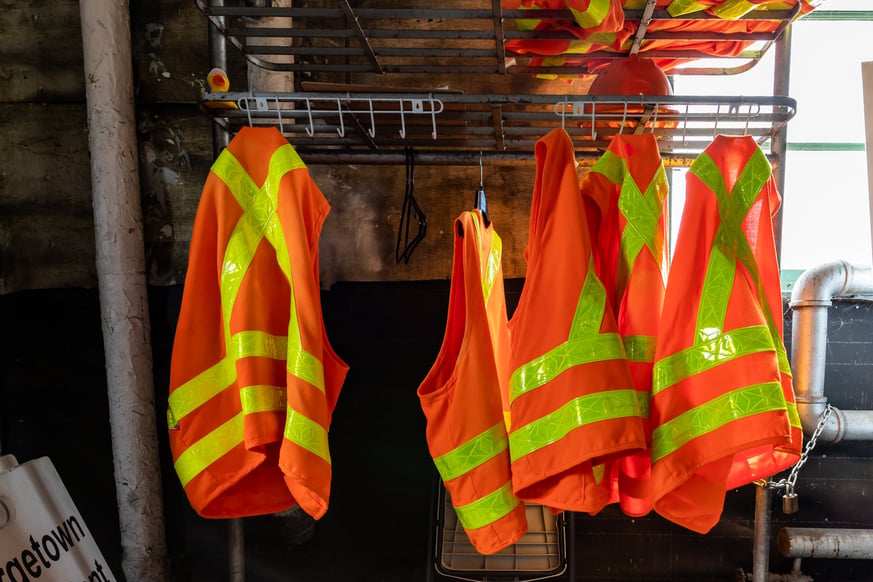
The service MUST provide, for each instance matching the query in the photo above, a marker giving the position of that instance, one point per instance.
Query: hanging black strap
(410, 211)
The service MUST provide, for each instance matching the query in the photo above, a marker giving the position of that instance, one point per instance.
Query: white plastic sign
(42, 536)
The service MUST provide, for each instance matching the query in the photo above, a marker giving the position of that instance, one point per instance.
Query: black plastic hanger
(480, 203)
(410, 210)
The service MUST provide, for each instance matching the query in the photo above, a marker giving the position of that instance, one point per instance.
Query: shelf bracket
(499, 37)
(645, 20)
(362, 37)
(497, 122)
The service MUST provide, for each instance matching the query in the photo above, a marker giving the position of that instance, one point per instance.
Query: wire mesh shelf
(331, 36)
(540, 554)
(455, 128)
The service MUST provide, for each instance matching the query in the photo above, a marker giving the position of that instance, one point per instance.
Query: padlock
(790, 503)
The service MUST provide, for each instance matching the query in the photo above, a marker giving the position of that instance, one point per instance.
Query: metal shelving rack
(453, 38)
(453, 128)
(330, 40)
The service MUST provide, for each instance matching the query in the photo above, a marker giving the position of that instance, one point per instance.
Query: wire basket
(539, 555)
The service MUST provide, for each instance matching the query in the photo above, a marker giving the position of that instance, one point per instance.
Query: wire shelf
(461, 129)
(333, 37)
(539, 555)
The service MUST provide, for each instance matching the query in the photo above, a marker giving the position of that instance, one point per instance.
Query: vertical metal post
(218, 58)
(120, 262)
(236, 550)
(779, 146)
(761, 553)
(220, 139)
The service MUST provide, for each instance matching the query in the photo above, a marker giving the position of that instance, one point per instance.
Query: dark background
(53, 403)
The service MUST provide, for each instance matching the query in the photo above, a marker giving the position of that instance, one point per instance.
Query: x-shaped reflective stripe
(730, 240)
(258, 221)
(491, 265)
(642, 212)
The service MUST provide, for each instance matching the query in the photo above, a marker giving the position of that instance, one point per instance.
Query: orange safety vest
(626, 193)
(729, 22)
(572, 399)
(461, 394)
(719, 48)
(722, 410)
(253, 379)
(734, 9)
(596, 24)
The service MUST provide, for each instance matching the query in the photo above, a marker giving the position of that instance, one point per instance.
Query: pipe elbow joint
(811, 410)
(820, 284)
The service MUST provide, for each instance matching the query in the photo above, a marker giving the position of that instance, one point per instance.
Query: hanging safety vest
(460, 395)
(253, 379)
(572, 399)
(734, 9)
(596, 24)
(723, 410)
(627, 193)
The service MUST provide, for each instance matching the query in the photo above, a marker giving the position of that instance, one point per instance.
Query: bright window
(825, 199)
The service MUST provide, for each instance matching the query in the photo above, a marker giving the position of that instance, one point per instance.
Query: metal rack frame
(452, 40)
(338, 128)
(461, 129)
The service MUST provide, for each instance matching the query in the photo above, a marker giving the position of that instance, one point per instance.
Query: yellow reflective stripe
(257, 343)
(492, 266)
(782, 357)
(581, 411)
(793, 416)
(488, 509)
(476, 451)
(542, 370)
(733, 9)
(306, 433)
(195, 392)
(599, 473)
(591, 16)
(575, 47)
(590, 307)
(602, 38)
(731, 243)
(263, 398)
(209, 449)
(640, 348)
(259, 220)
(680, 7)
(715, 352)
(528, 23)
(642, 212)
(584, 345)
(715, 295)
(700, 420)
(307, 367)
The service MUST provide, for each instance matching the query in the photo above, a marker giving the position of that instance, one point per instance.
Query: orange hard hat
(631, 76)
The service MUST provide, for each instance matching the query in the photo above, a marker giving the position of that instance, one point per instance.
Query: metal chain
(789, 482)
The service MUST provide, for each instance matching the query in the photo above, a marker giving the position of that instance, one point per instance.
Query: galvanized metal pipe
(220, 138)
(218, 58)
(120, 252)
(761, 552)
(810, 299)
(813, 542)
(779, 144)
